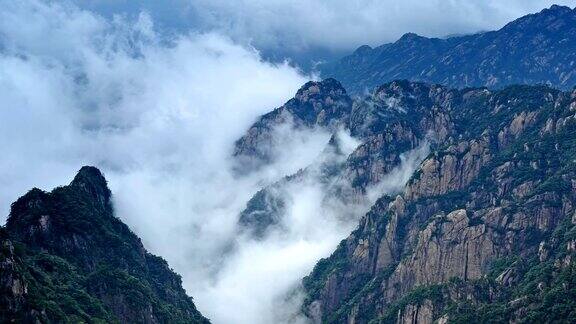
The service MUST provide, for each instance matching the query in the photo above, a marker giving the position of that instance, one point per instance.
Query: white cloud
(78, 88)
(292, 26)
(159, 115)
(344, 24)
(394, 181)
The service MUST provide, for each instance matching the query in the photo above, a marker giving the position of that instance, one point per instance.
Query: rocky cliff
(535, 49)
(66, 258)
(482, 232)
(322, 104)
(400, 118)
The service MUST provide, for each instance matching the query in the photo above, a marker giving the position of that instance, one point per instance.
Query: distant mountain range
(535, 49)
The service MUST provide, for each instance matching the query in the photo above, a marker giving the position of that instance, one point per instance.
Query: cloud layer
(77, 88)
(159, 111)
(295, 27)
(158, 115)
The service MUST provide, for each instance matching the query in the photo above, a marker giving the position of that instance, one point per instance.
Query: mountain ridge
(536, 48)
(482, 231)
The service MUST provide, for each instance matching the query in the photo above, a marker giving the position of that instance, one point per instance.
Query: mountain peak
(91, 180)
(410, 37)
(89, 174)
(76, 260)
(547, 19)
(87, 197)
(557, 8)
(317, 103)
(29, 204)
(362, 50)
(320, 102)
(326, 86)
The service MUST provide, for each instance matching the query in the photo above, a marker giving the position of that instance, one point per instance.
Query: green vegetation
(529, 174)
(80, 264)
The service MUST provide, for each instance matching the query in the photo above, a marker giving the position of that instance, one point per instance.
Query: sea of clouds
(158, 113)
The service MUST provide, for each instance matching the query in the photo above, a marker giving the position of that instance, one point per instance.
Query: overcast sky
(316, 28)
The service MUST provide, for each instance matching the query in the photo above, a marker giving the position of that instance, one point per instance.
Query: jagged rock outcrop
(396, 118)
(264, 210)
(502, 193)
(401, 117)
(534, 49)
(323, 104)
(67, 258)
(381, 123)
(422, 314)
(13, 285)
(485, 222)
(458, 165)
(489, 189)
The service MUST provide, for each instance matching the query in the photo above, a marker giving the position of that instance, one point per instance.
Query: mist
(158, 114)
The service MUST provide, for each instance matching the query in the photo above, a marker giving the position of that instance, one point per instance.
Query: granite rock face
(324, 105)
(483, 221)
(495, 190)
(399, 119)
